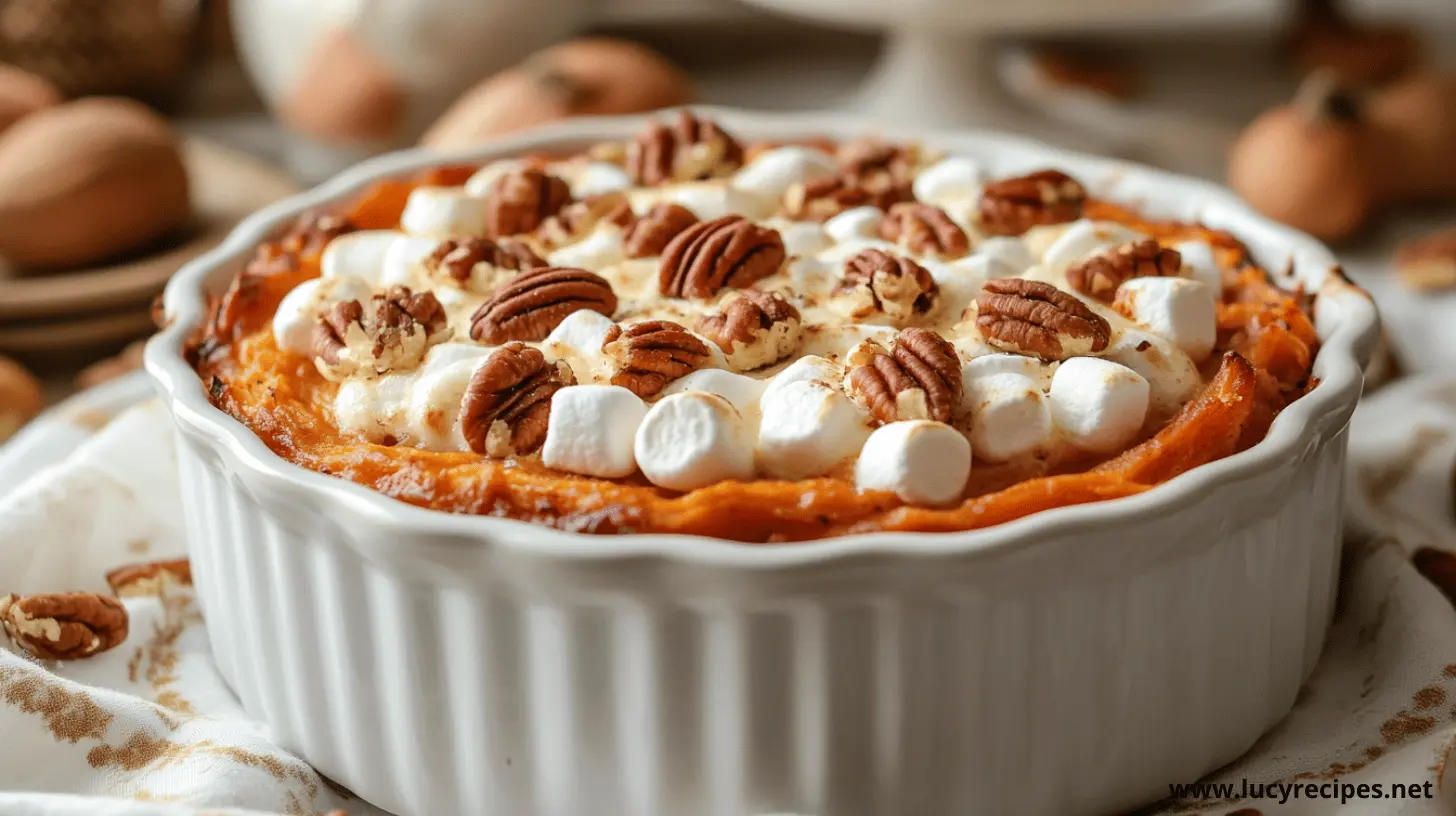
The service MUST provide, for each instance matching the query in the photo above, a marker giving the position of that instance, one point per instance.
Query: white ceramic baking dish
(1075, 661)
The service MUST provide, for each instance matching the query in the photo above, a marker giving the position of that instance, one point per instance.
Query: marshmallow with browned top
(808, 427)
(1176, 308)
(1009, 416)
(440, 212)
(693, 440)
(298, 313)
(592, 431)
(1098, 405)
(923, 463)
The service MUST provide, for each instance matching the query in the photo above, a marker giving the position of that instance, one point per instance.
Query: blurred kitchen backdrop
(136, 132)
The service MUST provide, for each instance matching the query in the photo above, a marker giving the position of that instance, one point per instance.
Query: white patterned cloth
(150, 728)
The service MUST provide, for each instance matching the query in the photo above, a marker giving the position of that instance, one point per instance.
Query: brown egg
(20, 397)
(88, 180)
(23, 93)
(583, 77)
(1306, 164)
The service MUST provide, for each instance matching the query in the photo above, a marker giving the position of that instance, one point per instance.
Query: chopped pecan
(1013, 206)
(728, 252)
(64, 625)
(580, 217)
(530, 306)
(507, 404)
(691, 149)
(883, 170)
(754, 328)
(651, 233)
(823, 198)
(152, 578)
(899, 287)
(652, 354)
(1099, 276)
(924, 230)
(1032, 317)
(521, 199)
(919, 379)
(395, 331)
(313, 231)
(457, 257)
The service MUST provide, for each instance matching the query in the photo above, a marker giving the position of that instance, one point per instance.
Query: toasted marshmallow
(953, 178)
(692, 440)
(801, 238)
(807, 368)
(1098, 405)
(773, 172)
(1200, 264)
(1009, 416)
(593, 430)
(578, 340)
(743, 392)
(403, 257)
(856, 223)
(808, 427)
(1003, 257)
(833, 343)
(445, 355)
(440, 212)
(709, 200)
(601, 247)
(375, 409)
(924, 463)
(1176, 308)
(1001, 362)
(1172, 377)
(598, 178)
(1082, 240)
(358, 255)
(298, 312)
(484, 179)
(433, 413)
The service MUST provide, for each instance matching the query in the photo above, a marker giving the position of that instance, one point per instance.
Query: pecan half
(691, 149)
(924, 230)
(535, 302)
(1032, 317)
(823, 198)
(1099, 276)
(457, 257)
(394, 331)
(64, 625)
(898, 287)
(521, 199)
(883, 170)
(507, 404)
(652, 354)
(1013, 206)
(730, 252)
(754, 328)
(152, 578)
(651, 233)
(919, 379)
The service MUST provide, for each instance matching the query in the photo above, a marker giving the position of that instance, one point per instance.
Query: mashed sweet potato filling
(1265, 336)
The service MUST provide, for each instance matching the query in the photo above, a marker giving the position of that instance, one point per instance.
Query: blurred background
(134, 133)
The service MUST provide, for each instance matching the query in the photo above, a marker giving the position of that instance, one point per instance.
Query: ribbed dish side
(968, 698)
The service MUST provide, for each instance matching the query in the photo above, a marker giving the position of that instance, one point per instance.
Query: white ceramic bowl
(1075, 661)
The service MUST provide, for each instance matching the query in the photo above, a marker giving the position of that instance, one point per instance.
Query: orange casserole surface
(1264, 351)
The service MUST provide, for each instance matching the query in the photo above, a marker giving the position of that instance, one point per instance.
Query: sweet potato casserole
(685, 333)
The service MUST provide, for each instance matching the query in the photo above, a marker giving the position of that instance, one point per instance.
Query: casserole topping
(686, 334)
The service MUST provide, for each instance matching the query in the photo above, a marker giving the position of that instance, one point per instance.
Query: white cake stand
(939, 64)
